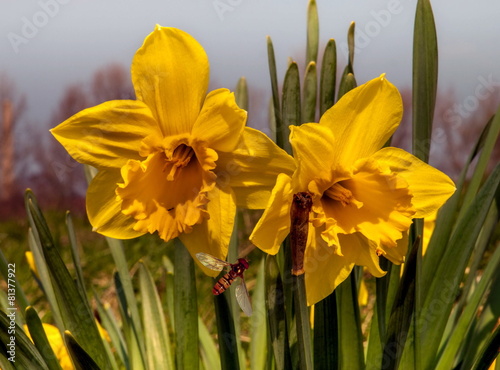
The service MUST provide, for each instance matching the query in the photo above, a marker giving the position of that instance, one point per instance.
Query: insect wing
(211, 262)
(243, 298)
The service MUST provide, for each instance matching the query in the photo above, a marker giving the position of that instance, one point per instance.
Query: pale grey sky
(47, 44)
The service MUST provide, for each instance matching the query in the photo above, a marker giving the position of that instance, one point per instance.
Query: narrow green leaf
(208, 351)
(350, 43)
(44, 277)
(490, 141)
(489, 353)
(312, 32)
(447, 358)
(278, 128)
(381, 289)
(258, 335)
(328, 78)
(169, 298)
(18, 347)
(326, 328)
(401, 313)
(350, 336)
(374, 350)
(76, 313)
(186, 309)
(225, 330)
(310, 94)
(156, 336)
(347, 83)
(80, 357)
(74, 254)
(241, 93)
(39, 337)
(278, 328)
(302, 320)
(444, 287)
(129, 304)
(425, 70)
(291, 104)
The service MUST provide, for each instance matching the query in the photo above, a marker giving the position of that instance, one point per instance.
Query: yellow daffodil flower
(364, 196)
(175, 161)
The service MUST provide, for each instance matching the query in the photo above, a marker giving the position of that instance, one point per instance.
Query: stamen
(344, 196)
(181, 157)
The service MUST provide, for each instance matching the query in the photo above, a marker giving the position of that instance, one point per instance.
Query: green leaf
(74, 253)
(186, 309)
(456, 339)
(347, 83)
(156, 336)
(310, 94)
(279, 127)
(8, 271)
(225, 330)
(258, 335)
(425, 69)
(401, 313)
(328, 78)
(312, 32)
(489, 352)
(302, 321)
(448, 276)
(291, 104)
(326, 328)
(278, 328)
(350, 336)
(75, 310)
(80, 357)
(17, 345)
(241, 93)
(208, 351)
(39, 337)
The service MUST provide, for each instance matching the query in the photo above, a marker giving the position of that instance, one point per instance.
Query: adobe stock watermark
(30, 26)
(223, 6)
(483, 91)
(366, 33)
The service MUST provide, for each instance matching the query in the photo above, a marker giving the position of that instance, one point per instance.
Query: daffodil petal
(430, 187)
(170, 74)
(213, 235)
(108, 134)
(363, 252)
(364, 119)
(397, 254)
(274, 225)
(252, 167)
(104, 209)
(324, 269)
(220, 122)
(313, 149)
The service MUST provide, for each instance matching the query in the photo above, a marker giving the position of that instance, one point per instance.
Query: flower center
(180, 158)
(341, 194)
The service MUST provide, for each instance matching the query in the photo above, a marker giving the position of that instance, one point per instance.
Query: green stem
(302, 321)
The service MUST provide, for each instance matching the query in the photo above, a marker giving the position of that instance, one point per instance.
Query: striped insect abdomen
(224, 282)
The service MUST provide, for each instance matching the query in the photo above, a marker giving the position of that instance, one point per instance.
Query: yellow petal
(170, 74)
(104, 209)
(397, 254)
(313, 149)
(363, 252)
(386, 210)
(252, 168)
(108, 134)
(213, 235)
(163, 195)
(364, 119)
(430, 187)
(274, 225)
(325, 270)
(220, 122)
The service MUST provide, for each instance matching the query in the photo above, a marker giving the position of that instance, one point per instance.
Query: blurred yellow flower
(175, 161)
(57, 344)
(364, 197)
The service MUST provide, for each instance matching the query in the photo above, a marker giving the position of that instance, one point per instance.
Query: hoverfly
(236, 270)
